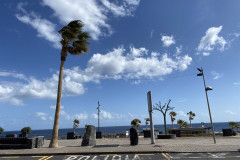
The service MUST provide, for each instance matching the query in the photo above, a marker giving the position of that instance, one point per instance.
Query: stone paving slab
(122, 145)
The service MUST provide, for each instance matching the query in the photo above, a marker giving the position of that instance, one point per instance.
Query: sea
(47, 133)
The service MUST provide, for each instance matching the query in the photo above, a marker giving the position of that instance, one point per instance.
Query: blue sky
(137, 46)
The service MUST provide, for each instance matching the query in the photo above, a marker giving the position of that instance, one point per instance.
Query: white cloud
(216, 75)
(108, 115)
(131, 115)
(41, 115)
(63, 113)
(54, 107)
(94, 116)
(128, 66)
(236, 83)
(43, 118)
(33, 88)
(81, 116)
(103, 115)
(155, 54)
(236, 34)
(206, 53)
(136, 63)
(151, 33)
(67, 116)
(45, 28)
(125, 9)
(181, 100)
(168, 41)
(211, 40)
(6, 90)
(181, 114)
(138, 52)
(230, 112)
(93, 13)
(7, 94)
(12, 74)
(16, 92)
(178, 50)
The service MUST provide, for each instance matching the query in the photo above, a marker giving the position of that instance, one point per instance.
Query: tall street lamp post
(206, 89)
(98, 116)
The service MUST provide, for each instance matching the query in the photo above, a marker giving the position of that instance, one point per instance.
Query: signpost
(149, 98)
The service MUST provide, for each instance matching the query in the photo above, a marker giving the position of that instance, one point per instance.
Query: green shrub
(27, 130)
(1, 130)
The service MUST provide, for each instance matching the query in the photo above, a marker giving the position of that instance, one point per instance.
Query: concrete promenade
(122, 145)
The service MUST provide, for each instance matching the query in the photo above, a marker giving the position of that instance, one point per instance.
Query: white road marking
(169, 155)
(117, 156)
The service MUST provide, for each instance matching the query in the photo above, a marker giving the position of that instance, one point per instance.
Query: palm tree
(74, 41)
(185, 125)
(234, 125)
(135, 123)
(172, 115)
(75, 124)
(146, 122)
(191, 115)
(1, 130)
(180, 123)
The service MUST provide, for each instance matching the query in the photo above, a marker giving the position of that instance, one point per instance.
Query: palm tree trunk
(172, 124)
(190, 124)
(54, 139)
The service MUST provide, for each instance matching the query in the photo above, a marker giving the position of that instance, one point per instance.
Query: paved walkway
(122, 145)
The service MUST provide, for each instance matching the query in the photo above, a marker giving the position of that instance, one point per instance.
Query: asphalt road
(158, 156)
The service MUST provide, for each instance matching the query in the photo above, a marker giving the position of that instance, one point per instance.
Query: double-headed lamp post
(206, 89)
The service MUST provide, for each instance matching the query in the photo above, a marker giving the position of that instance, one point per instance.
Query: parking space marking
(108, 155)
(169, 155)
(168, 158)
(9, 157)
(43, 157)
(145, 154)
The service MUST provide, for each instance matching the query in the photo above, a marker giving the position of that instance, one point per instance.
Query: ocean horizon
(47, 133)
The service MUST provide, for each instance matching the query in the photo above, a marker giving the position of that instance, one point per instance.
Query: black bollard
(133, 136)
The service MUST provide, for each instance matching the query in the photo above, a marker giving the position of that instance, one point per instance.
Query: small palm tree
(234, 125)
(1, 130)
(135, 123)
(26, 130)
(172, 115)
(74, 41)
(75, 124)
(180, 123)
(191, 116)
(146, 121)
(185, 124)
